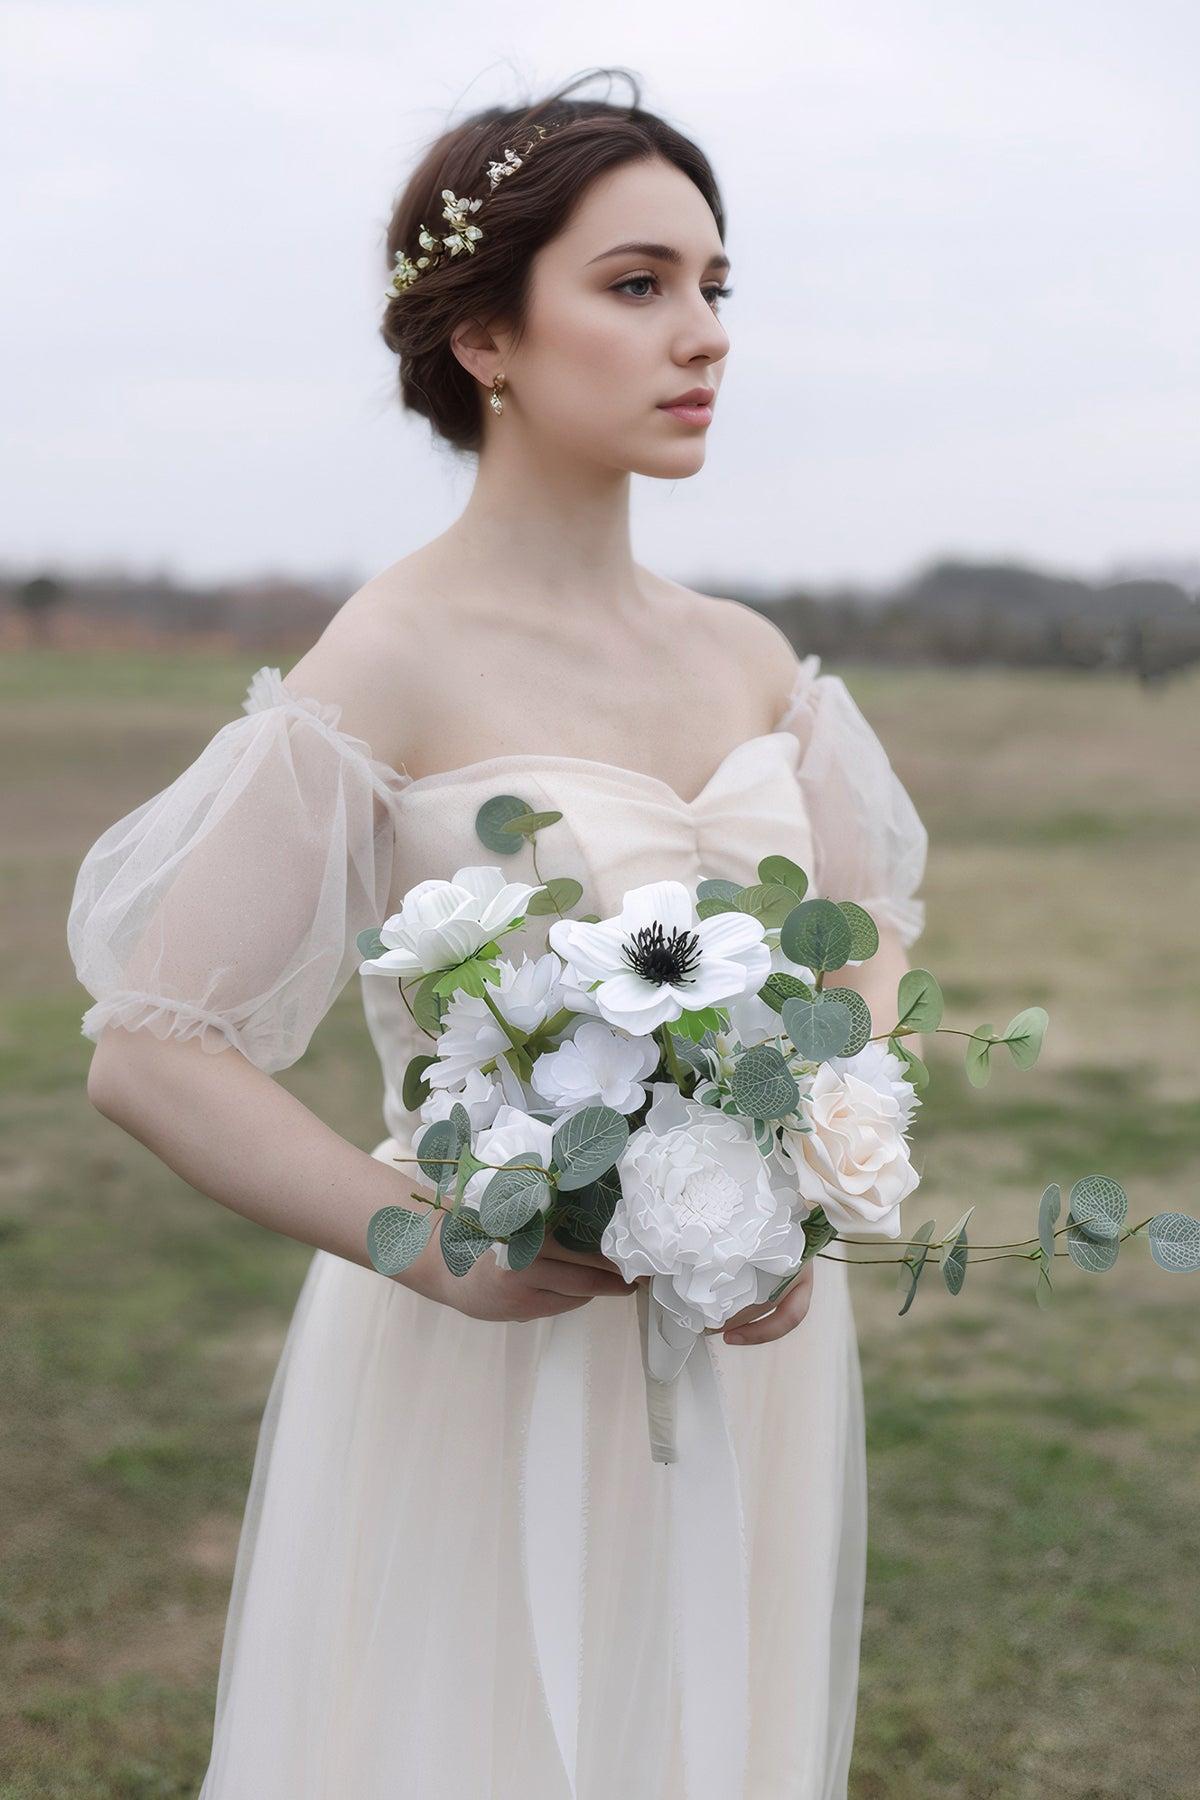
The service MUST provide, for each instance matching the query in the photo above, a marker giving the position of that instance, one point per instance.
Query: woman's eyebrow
(662, 252)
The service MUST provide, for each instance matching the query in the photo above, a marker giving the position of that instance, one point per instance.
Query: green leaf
(492, 817)
(370, 944)
(526, 824)
(396, 1236)
(954, 1261)
(818, 1028)
(470, 977)
(912, 1264)
(587, 1144)
(460, 1118)
(1024, 1035)
(714, 904)
(914, 1070)
(426, 1004)
(919, 1002)
(762, 1084)
(438, 1141)
(769, 902)
(1175, 1242)
(586, 1211)
(462, 1241)
(864, 933)
(1044, 1291)
(781, 986)
(415, 1088)
(979, 1046)
(818, 1231)
(1048, 1210)
(1098, 1206)
(693, 1025)
(512, 1196)
(817, 935)
(524, 1245)
(713, 888)
(781, 871)
(1091, 1253)
(860, 1016)
(558, 894)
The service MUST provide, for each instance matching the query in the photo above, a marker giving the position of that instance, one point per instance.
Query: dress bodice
(619, 828)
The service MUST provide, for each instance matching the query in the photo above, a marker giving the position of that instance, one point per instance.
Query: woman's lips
(691, 415)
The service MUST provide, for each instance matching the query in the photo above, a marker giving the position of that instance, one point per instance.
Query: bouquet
(683, 1088)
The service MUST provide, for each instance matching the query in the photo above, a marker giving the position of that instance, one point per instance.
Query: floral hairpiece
(456, 212)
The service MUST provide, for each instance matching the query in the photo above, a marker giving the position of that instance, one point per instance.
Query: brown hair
(523, 212)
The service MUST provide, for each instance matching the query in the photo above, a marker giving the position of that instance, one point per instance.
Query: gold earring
(496, 403)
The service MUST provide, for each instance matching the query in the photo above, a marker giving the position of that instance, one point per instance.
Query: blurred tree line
(951, 612)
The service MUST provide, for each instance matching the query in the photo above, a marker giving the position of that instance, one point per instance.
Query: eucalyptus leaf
(709, 907)
(954, 1262)
(524, 1245)
(526, 824)
(1096, 1255)
(415, 1088)
(914, 1070)
(587, 1144)
(770, 902)
(864, 933)
(782, 986)
(817, 935)
(584, 1213)
(818, 1028)
(912, 1266)
(1175, 1242)
(512, 1196)
(1024, 1034)
(1044, 1291)
(979, 1046)
(1049, 1208)
(426, 1004)
(557, 895)
(762, 1085)
(491, 819)
(920, 1005)
(370, 944)
(396, 1236)
(782, 871)
(860, 1016)
(1098, 1206)
(439, 1141)
(715, 888)
(460, 1118)
(462, 1240)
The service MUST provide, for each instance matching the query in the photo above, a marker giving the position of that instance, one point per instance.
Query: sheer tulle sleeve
(869, 843)
(226, 907)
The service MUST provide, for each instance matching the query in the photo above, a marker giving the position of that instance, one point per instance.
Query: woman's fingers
(779, 1320)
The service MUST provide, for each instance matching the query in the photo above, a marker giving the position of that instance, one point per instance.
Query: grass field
(1032, 1625)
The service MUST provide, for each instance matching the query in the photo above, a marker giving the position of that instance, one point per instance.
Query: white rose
(512, 1133)
(598, 1066)
(854, 1162)
(480, 1095)
(700, 1212)
(527, 994)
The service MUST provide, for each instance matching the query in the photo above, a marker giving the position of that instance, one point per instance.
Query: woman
(378, 1642)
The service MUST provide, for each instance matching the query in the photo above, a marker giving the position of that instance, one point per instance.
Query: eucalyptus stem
(672, 1060)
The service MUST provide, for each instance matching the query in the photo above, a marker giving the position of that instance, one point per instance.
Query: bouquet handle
(666, 1346)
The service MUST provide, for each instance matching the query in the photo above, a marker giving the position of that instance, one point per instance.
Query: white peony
(441, 923)
(701, 1212)
(598, 1066)
(528, 993)
(657, 958)
(854, 1162)
(511, 1133)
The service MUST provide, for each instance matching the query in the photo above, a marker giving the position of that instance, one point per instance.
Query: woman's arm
(233, 1133)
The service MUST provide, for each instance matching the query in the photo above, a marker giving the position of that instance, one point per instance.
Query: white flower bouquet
(681, 1088)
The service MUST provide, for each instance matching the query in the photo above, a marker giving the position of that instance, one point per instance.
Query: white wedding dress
(378, 1643)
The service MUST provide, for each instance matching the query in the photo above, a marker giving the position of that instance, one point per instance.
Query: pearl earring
(496, 403)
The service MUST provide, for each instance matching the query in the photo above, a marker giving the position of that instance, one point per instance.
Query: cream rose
(854, 1162)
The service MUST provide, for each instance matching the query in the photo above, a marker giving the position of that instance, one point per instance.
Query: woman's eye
(715, 293)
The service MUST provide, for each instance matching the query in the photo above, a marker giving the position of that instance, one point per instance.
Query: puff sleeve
(869, 843)
(226, 907)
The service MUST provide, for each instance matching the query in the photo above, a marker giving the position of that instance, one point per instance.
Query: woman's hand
(772, 1321)
(557, 1280)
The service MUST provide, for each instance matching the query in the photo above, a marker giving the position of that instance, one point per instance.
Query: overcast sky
(966, 274)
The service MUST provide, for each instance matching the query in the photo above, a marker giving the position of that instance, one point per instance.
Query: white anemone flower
(441, 923)
(598, 1066)
(702, 1212)
(527, 994)
(657, 958)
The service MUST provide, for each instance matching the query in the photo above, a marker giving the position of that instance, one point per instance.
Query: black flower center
(662, 959)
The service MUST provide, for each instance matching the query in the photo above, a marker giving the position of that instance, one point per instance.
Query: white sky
(966, 270)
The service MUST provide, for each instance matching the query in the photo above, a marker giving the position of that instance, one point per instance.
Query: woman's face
(612, 333)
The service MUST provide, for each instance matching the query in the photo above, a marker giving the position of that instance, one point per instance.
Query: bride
(556, 310)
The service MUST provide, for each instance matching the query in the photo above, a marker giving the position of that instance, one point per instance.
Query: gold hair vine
(457, 212)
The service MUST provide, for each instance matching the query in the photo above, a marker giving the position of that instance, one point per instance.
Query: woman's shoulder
(743, 637)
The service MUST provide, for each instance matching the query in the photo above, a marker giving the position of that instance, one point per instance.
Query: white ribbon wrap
(689, 1428)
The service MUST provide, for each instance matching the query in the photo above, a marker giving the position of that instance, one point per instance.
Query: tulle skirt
(378, 1643)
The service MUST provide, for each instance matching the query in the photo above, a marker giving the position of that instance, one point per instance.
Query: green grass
(1030, 1628)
